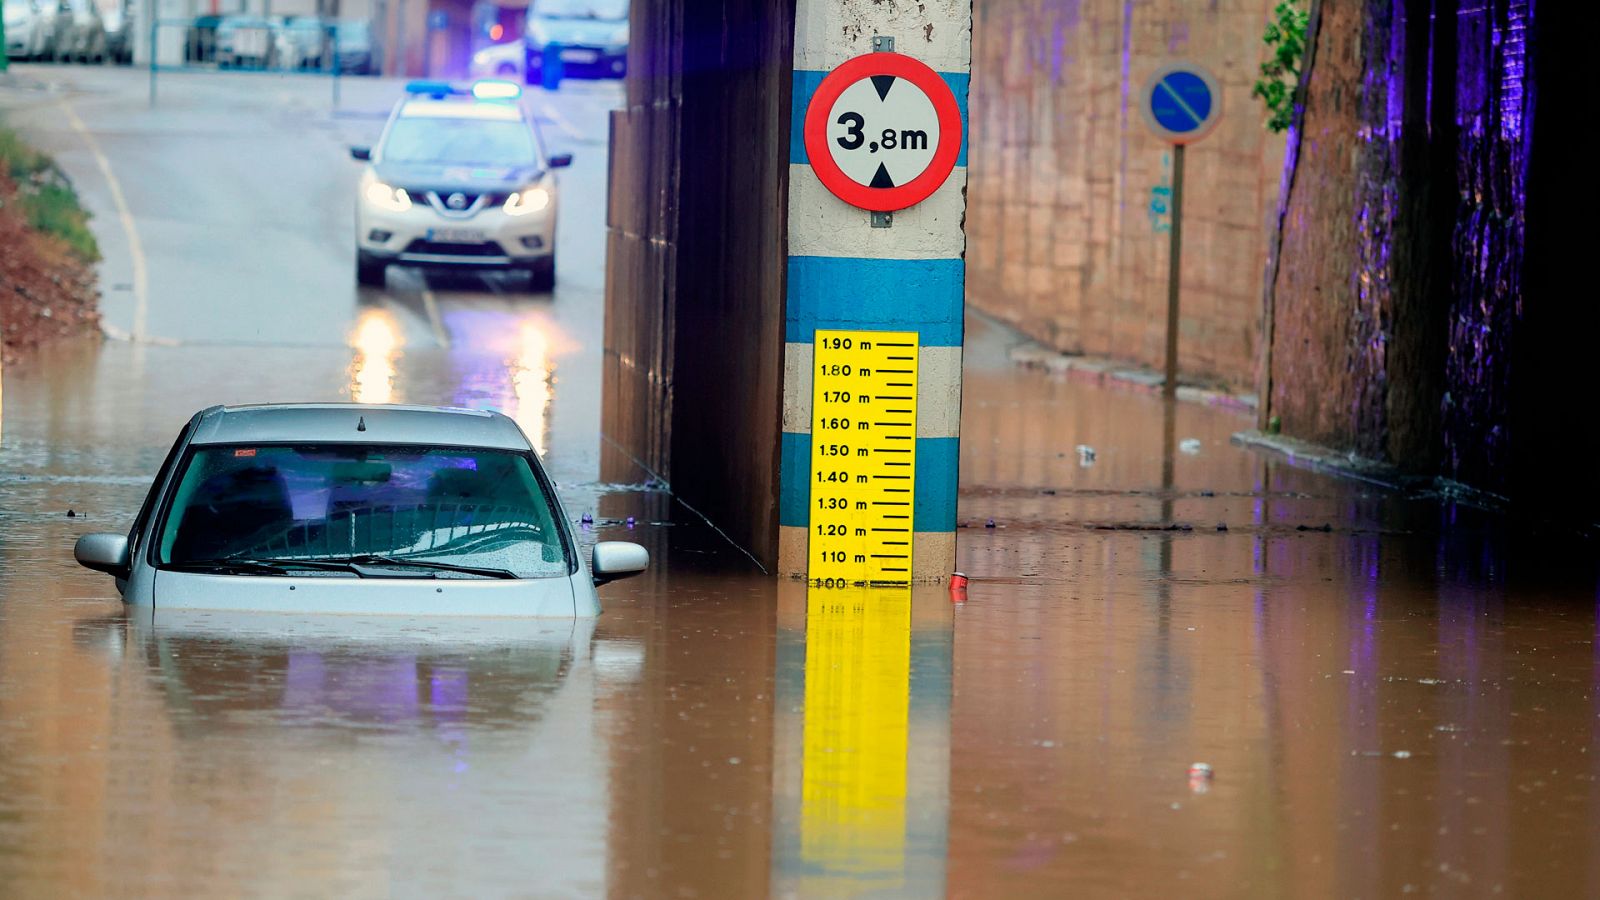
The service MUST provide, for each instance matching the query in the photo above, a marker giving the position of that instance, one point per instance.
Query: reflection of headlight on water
(530, 384)
(377, 343)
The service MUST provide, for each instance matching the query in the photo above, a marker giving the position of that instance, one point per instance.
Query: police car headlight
(529, 201)
(385, 197)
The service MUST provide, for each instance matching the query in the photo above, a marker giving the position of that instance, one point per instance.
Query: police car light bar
(438, 89)
(496, 90)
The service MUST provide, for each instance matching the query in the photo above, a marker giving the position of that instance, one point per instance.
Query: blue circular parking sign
(1182, 103)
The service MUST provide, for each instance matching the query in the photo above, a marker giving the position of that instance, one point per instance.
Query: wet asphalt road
(1402, 703)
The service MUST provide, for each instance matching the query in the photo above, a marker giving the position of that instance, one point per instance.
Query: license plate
(579, 56)
(455, 236)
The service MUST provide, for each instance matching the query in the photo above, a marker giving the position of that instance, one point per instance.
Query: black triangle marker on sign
(883, 83)
(881, 179)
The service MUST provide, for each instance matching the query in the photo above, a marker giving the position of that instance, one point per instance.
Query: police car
(460, 178)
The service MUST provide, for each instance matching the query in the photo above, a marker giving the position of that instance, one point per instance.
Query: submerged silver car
(352, 508)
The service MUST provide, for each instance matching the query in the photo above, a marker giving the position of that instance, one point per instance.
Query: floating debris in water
(71, 514)
(1086, 455)
(1190, 446)
(958, 587)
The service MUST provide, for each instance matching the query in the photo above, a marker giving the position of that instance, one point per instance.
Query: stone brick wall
(1066, 212)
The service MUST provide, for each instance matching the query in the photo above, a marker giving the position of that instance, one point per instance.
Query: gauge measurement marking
(861, 485)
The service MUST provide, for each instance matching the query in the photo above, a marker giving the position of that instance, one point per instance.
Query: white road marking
(141, 279)
(562, 122)
(430, 305)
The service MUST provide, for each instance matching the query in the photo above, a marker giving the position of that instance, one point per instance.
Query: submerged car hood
(468, 178)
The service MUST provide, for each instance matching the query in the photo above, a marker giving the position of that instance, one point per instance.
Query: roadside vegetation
(44, 197)
(1285, 38)
(48, 288)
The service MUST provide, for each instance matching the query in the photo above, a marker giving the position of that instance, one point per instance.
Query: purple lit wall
(1427, 306)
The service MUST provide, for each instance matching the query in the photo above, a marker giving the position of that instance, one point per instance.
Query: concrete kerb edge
(1318, 458)
(1325, 460)
(1108, 372)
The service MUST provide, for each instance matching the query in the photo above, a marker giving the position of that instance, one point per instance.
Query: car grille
(471, 203)
(437, 248)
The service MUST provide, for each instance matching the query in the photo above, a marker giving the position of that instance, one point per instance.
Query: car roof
(358, 423)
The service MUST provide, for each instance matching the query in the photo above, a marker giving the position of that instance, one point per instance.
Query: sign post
(1182, 103)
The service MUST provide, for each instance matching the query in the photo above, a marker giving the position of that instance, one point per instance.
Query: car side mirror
(103, 553)
(612, 560)
(361, 153)
(561, 160)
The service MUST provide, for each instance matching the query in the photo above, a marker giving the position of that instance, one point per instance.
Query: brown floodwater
(1395, 694)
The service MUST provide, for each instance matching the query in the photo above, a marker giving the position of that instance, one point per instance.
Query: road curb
(1106, 372)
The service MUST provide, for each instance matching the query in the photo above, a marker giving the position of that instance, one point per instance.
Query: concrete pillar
(845, 274)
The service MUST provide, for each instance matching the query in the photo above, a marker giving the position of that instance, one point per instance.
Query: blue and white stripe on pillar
(845, 274)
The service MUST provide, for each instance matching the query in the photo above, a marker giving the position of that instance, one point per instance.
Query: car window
(136, 533)
(450, 141)
(471, 507)
(606, 10)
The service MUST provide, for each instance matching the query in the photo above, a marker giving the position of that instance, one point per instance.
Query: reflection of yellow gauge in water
(863, 457)
(857, 706)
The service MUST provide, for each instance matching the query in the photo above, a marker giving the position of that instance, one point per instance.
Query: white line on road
(562, 122)
(430, 305)
(141, 281)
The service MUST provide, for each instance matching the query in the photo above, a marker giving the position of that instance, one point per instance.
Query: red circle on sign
(944, 156)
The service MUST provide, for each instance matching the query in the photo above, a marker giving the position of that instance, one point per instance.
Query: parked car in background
(498, 61)
(86, 34)
(51, 31)
(588, 36)
(119, 37)
(201, 45)
(244, 42)
(20, 18)
(355, 49)
(304, 42)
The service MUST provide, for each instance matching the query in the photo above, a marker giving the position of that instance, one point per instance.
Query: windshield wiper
(246, 566)
(371, 559)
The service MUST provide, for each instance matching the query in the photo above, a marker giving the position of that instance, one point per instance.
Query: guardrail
(264, 47)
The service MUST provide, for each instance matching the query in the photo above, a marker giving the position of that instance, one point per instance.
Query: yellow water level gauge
(863, 456)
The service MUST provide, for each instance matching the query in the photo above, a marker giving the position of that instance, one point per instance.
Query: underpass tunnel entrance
(740, 232)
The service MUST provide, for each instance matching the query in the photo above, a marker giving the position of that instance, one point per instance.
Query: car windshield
(606, 10)
(486, 509)
(459, 141)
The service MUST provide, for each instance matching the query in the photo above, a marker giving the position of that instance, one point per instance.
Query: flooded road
(1396, 694)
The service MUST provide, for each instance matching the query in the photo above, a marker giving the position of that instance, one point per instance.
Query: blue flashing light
(438, 89)
(489, 89)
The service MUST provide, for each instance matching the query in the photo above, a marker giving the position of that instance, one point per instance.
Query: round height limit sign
(883, 132)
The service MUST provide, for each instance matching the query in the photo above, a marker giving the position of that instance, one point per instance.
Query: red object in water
(958, 587)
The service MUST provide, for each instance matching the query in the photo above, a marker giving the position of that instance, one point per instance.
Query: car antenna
(361, 424)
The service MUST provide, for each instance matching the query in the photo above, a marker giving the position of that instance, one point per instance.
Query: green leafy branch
(1280, 75)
